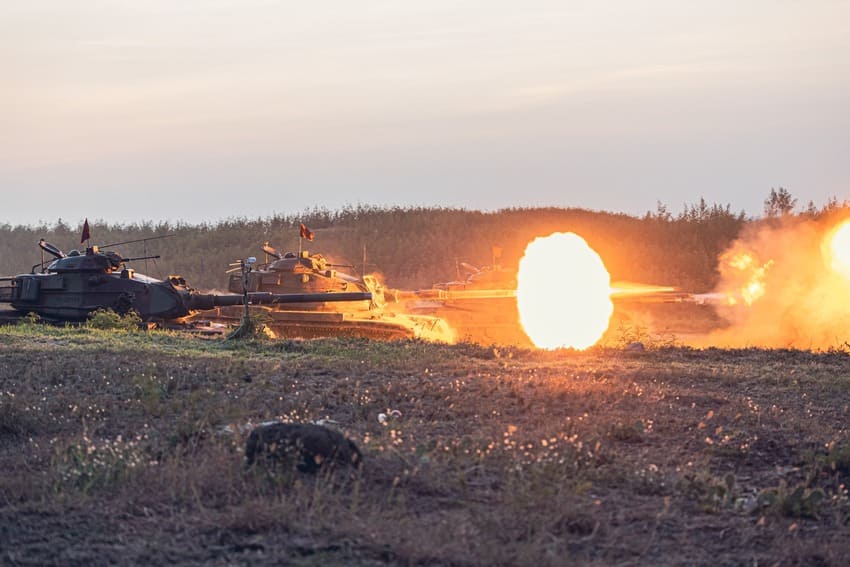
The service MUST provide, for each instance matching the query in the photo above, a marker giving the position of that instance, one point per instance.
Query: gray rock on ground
(307, 445)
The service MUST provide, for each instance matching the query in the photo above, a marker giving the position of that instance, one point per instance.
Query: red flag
(306, 233)
(86, 232)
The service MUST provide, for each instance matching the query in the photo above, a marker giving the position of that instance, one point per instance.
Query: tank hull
(70, 297)
(483, 320)
(307, 324)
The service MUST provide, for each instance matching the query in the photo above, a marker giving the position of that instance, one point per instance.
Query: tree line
(415, 247)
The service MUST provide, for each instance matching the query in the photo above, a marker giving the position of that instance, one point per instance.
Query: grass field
(115, 449)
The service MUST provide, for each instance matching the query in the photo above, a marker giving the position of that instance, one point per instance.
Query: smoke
(779, 289)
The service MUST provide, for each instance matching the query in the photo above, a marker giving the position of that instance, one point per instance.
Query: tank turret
(303, 272)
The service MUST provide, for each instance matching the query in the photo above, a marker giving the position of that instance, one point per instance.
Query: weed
(628, 333)
(16, 420)
(31, 318)
(255, 326)
(836, 459)
(88, 465)
(151, 391)
(632, 432)
(799, 502)
(109, 320)
(728, 444)
(711, 493)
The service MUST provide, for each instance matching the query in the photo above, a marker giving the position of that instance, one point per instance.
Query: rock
(636, 346)
(307, 445)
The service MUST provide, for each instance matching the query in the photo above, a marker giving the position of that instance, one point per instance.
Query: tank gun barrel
(452, 294)
(201, 301)
(263, 298)
(659, 294)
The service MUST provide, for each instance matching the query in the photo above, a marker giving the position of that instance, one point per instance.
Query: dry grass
(113, 451)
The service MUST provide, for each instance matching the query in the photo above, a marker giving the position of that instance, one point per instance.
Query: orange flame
(563, 292)
(751, 273)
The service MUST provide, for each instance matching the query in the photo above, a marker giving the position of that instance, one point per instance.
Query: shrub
(107, 319)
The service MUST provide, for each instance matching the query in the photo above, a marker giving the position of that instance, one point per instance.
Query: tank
(311, 273)
(481, 306)
(71, 286)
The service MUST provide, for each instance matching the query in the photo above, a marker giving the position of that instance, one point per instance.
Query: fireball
(563, 292)
(751, 275)
(756, 287)
(742, 261)
(839, 250)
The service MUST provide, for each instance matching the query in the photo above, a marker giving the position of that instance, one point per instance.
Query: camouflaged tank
(306, 273)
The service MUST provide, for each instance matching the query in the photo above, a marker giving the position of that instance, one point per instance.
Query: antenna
(138, 240)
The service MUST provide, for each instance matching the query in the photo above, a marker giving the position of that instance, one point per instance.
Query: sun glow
(563, 292)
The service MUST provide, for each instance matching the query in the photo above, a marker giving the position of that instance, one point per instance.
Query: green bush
(107, 319)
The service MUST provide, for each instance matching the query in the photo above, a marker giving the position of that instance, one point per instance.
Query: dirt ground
(129, 448)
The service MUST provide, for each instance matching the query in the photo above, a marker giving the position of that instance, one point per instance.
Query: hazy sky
(200, 110)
